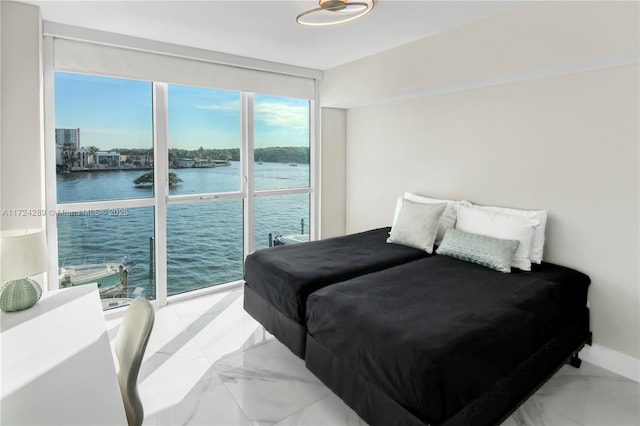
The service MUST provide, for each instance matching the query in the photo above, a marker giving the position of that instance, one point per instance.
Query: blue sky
(117, 113)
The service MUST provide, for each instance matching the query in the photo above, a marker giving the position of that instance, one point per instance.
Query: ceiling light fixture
(332, 12)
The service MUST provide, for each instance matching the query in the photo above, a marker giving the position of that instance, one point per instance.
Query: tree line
(276, 154)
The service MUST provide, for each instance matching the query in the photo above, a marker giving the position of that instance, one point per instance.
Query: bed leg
(575, 361)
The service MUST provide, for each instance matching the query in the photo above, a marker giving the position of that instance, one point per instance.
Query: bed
(403, 336)
(442, 341)
(278, 280)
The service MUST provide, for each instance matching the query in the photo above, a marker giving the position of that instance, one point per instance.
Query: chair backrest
(130, 345)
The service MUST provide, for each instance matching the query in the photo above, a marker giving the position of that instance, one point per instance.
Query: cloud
(269, 113)
(278, 114)
(224, 107)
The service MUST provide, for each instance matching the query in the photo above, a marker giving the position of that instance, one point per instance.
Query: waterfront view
(204, 239)
(104, 140)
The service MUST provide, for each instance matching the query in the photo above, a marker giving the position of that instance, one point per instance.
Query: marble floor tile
(330, 410)
(208, 362)
(208, 402)
(172, 351)
(269, 382)
(592, 395)
(532, 412)
(191, 309)
(170, 384)
(226, 332)
(169, 333)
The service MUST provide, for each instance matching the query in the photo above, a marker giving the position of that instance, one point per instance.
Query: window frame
(161, 198)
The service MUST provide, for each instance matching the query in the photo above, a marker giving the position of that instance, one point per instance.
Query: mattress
(284, 276)
(436, 334)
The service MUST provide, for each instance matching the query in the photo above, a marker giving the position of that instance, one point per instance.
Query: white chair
(130, 345)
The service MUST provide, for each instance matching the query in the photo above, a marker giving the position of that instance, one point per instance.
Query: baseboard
(609, 359)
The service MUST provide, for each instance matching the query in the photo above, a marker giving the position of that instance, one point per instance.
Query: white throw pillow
(417, 225)
(447, 220)
(537, 245)
(500, 225)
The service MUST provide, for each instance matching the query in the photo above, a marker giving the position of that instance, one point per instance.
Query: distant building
(82, 158)
(69, 138)
(185, 162)
(136, 160)
(107, 159)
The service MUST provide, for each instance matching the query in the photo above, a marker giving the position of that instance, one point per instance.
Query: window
(114, 251)
(204, 244)
(281, 134)
(204, 139)
(282, 170)
(204, 234)
(105, 211)
(102, 125)
(221, 154)
(281, 219)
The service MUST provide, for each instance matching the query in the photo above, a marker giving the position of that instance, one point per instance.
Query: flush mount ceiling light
(332, 12)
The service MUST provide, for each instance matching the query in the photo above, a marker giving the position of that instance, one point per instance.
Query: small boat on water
(105, 274)
(112, 278)
(293, 164)
(282, 240)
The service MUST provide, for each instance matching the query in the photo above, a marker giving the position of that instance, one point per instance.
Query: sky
(117, 113)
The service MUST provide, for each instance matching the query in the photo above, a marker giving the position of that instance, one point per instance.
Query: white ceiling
(266, 29)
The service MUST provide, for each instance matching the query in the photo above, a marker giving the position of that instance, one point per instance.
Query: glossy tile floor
(209, 363)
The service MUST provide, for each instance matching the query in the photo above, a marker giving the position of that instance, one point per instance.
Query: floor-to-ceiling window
(204, 232)
(164, 188)
(282, 170)
(105, 220)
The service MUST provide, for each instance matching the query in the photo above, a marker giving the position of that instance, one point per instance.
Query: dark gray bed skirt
(376, 408)
(287, 331)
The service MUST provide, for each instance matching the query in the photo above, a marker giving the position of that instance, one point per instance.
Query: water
(204, 239)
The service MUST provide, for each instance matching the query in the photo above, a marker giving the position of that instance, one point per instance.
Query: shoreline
(136, 169)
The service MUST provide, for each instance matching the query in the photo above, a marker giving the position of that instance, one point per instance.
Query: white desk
(57, 366)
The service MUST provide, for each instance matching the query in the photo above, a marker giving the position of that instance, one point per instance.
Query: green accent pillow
(417, 225)
(494, 253)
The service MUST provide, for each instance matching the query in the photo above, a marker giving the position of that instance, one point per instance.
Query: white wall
(333, 135)
(534, 109)
(21, 153)
(544, 39)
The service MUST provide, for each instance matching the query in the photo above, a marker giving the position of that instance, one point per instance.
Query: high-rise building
(65, 137)
(68, 136)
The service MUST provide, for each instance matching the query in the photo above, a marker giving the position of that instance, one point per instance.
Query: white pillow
(500, 225)
(417, 225)
(537, 245)
(447, 220)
